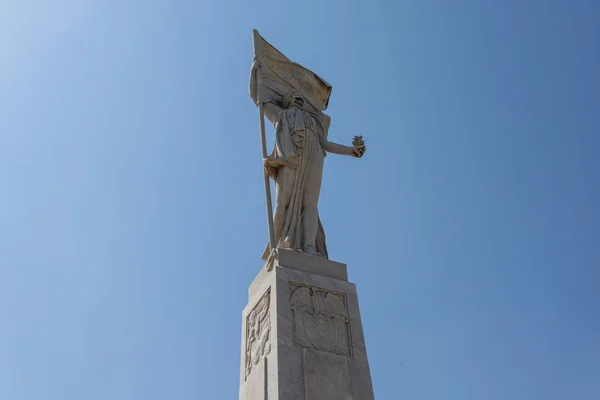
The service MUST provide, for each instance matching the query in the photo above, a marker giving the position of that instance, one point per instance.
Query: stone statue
(301, 144)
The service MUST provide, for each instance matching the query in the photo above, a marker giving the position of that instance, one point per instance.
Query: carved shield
(320, 320)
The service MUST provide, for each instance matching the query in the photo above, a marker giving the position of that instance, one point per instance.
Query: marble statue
(301, 144)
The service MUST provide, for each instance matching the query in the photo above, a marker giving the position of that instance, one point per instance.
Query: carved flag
(278, 75)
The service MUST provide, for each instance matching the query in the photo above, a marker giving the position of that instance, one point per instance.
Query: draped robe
(297, 145)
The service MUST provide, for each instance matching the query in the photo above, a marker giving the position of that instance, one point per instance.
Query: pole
(256, 40)
(263, 136)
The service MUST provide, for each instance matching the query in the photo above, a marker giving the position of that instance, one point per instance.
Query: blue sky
(132, 211)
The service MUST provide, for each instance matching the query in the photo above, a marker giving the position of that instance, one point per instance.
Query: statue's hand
(358, 147)
(255, 64)
(359, 150)
(252, 86)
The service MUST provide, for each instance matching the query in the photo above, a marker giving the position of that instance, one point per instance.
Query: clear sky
(132, 212)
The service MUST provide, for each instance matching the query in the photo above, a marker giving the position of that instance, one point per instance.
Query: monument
(302, 336)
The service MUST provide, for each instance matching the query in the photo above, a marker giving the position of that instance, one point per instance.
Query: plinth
(302, 336)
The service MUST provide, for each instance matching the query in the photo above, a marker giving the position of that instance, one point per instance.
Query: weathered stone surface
(326, 376)
(299, 261)
(255, 383)
(311, 264)
(317, 344)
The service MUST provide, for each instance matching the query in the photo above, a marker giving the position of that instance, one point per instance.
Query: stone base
(302, 336)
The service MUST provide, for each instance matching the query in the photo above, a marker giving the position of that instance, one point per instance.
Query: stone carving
(294, 98)
(320, 320)
(258, 332)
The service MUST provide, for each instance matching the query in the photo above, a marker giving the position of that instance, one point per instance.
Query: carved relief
(258, 332)
(320, 320)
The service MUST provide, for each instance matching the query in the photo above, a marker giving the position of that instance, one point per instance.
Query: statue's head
(293, 99)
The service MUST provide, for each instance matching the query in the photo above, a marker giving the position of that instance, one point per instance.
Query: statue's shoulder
(286, 114)
(281, 115)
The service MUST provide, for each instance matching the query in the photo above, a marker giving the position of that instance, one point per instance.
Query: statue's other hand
(358, 150)
(255, 64)
(252, 84)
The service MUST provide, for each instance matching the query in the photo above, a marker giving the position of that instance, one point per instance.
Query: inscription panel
(258, 332)
(326, 376)
(320, 319)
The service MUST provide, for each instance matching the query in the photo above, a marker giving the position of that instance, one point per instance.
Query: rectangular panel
(320, 319)
(258, 333)
(326, 376)
(255, 385)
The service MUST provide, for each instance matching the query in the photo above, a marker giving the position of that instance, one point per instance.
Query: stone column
(302, 336)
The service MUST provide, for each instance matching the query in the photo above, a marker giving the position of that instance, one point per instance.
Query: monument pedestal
(302, 336)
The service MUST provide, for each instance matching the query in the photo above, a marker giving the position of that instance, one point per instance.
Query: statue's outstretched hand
(358, 147)
(358, 151)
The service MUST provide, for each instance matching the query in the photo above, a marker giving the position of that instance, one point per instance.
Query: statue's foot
(311, 251)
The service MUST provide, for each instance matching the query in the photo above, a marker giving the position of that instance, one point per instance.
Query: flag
(279, 75)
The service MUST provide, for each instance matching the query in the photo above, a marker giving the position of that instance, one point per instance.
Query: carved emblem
(258, 332)
(320, 320)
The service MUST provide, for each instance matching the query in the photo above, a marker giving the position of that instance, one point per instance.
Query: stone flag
(278, 75)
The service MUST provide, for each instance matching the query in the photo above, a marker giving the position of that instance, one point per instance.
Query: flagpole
(261, 113)
(263, 136)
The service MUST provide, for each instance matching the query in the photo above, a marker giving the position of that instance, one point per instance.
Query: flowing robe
(297, 147)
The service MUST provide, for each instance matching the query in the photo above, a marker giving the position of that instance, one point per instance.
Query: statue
(301, 144)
